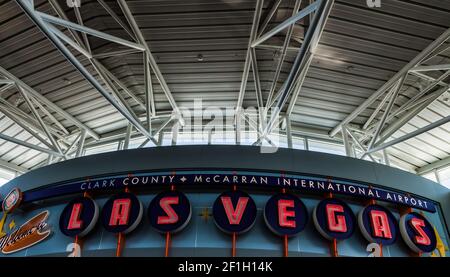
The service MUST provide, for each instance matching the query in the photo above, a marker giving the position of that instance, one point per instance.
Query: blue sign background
(258, 179)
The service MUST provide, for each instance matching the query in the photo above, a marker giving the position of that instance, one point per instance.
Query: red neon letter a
(165, 204)
(234, 215)
(283, 213)
(380, 224)
(75, 222)
(422, 238)
(336, 223)
(120, 212)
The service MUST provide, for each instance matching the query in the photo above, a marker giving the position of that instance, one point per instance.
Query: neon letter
(336, 223)
(234, 215)
(283, 213)
(165, 204)
(422, 237)
(120, 212)
(75, 222)
(380, 224)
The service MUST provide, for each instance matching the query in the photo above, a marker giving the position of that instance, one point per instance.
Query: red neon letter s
(75, 222)
(234, 216)
(336, 223)
(165, 204)
(283, 213)
(120, 212)
(422, 238)
(380, 224)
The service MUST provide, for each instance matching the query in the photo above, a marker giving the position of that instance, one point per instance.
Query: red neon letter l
(75, 222)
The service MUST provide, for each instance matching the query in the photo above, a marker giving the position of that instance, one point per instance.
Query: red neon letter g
(336, 223)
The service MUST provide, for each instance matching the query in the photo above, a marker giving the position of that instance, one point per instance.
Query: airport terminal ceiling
(80, 74)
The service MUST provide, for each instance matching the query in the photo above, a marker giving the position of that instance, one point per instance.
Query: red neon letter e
(283, 213)
(120, 212)
(165, 204)
(380, 224)
(234, 215)
(75, 222)
(336, 223)
(422, 238)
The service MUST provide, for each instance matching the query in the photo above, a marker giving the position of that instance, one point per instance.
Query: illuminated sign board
(235, 212)
(208, 178)
(12, 200)
(30, 233)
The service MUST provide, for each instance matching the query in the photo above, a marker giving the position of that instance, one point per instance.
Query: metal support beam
(29, 145)
(36, 17)
(359, 144)
(149, 96)
(289, 133)
(13, 167)
(269, 16)
(291, 20)
(248, 57)
(126, 143)
(436, 165)
(41, 122)
(47, 102)
(348, 148)
(80, 147)
(85, 30)
(117, 18)
(151, 60)
(395, 126)
(417, 132)
(301, 62)
(283, 53)
(413, 63)
(393, 97)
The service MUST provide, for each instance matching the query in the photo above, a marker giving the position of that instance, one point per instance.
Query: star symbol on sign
(12, 224)
(205, 214)
(183, 179)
